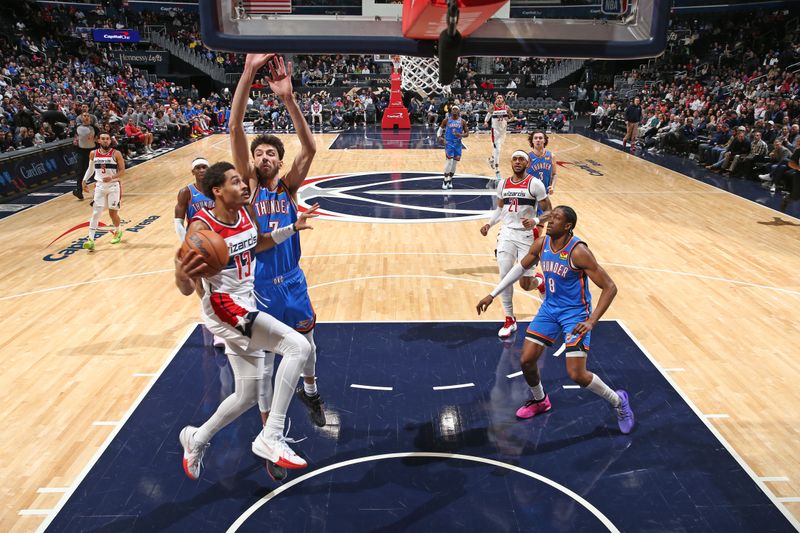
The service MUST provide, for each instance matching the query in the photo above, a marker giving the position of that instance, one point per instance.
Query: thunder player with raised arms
(450, 132)
(518, 199)
(567, 264)
(499, 116)
(280, 284)
(108, 166)
(229, 310)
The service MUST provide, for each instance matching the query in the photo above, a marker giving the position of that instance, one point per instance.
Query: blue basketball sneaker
(624, 413)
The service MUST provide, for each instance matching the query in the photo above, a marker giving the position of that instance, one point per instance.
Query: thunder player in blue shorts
(567, 309)
(450, 132)
(280, 284)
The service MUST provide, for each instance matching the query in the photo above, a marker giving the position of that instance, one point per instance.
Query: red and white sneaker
(540, 286)
(509, 327)
(276, 450)
(192, 453)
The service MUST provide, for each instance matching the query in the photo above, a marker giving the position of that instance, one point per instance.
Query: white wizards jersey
(105, 166)
(499, 117)
(520, 200)
(237, 277)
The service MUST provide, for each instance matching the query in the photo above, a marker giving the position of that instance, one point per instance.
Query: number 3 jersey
(520, 200)
(229, 295)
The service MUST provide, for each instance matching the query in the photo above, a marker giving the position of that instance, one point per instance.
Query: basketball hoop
(421, 75)
(396, 62)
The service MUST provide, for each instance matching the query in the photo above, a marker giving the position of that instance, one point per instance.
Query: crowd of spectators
(721, 97)
(51, 74)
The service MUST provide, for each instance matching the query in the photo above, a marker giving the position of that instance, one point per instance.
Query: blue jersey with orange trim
(197, 202)
(565, 287)
(454, 125)
(542, 167)
(276, 209)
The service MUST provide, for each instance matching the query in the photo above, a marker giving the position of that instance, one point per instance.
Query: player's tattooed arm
(189, 267)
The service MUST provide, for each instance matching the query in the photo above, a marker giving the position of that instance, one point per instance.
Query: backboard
(527, 28)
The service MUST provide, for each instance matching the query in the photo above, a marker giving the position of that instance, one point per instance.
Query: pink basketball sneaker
(532, 408)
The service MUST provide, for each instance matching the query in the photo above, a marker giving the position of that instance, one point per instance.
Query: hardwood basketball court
(707, 283)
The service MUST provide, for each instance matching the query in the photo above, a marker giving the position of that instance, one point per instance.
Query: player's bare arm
(529, 261)
(189, 267)
(280, 81)
(241, 151)
(583, 259)
(120, 166)
(551, 189)
(464, 129)
(496, 214)
(182, 204)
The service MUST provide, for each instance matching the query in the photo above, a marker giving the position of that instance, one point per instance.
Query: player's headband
(199, 161)
(520, 153)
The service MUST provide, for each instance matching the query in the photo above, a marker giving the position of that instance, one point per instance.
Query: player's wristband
(281, 234)
(439, 132)
(535, 221)
(180, 231)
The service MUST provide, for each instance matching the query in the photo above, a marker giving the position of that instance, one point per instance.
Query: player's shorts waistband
(283, 278)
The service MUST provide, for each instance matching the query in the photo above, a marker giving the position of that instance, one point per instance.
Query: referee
(633, 116)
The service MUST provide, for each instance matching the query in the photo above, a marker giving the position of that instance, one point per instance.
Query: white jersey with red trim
(499, 116)
(520, 200)
(228, 301)
(105, 166)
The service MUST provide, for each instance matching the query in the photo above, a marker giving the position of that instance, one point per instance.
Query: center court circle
(397, 197)
(423, 490)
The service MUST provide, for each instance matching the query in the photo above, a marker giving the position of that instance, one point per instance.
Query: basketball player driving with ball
(229, 310)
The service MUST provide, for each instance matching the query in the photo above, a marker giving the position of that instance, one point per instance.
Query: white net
(421, 75)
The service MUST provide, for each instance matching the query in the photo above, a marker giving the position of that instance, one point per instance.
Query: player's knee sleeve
(505, 262)
(310, 368)
(453, 166)
(294, 346)
(96, 212)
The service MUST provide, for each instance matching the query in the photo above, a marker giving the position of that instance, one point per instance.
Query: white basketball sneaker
(276, 450)
(192, 454)
(509, 327)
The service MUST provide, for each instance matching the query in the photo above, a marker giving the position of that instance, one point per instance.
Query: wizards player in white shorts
(450, 132)
(567, 310)
(518, 199)
(229, 310)
(108, 166)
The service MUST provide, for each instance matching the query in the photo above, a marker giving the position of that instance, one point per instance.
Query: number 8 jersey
(520, 200)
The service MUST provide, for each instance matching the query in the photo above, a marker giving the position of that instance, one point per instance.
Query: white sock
(538, 392)
(604, 391)
(310, 388)
(274, 426)
(96, 211)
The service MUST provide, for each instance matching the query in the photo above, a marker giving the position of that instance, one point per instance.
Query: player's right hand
(85, 187)
(441, 140)
(302, 223)
(485, 229)
(256, 61)
(484, 304)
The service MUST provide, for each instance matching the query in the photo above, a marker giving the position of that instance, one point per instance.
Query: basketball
(211, 246)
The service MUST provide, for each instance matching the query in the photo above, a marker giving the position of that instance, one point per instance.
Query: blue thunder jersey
(197, 202)
(566, 288)
(542, 167)
(454, 125)
(276, 209)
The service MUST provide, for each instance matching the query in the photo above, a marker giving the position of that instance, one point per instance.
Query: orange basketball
(209, 245)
